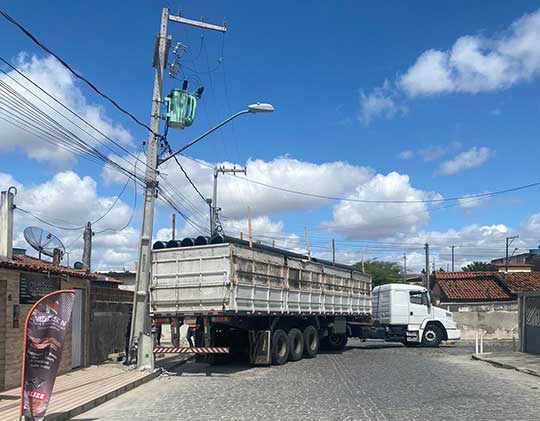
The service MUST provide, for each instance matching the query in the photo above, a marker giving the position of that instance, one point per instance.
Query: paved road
(368, 381)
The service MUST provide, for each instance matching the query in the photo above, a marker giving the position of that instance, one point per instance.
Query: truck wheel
(432, 336)
(296, 344)
(311, 341)
(280, 347)
(337, 342)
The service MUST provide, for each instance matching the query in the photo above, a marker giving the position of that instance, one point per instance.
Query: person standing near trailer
(191, 331)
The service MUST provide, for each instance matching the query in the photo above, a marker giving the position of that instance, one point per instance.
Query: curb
(507, 366)
(87, 406)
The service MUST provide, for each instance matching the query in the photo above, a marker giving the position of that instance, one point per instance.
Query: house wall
(497, 320)
(12, 328)
(110, 314)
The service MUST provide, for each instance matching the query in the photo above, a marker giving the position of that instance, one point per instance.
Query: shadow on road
(200, 369)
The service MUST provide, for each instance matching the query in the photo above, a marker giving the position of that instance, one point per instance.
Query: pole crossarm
(198, 23)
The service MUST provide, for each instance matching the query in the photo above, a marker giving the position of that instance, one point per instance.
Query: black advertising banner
(33, 287)
(44, 334)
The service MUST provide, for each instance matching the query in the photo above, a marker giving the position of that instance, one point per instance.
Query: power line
(63, 106)
(186, 174)
(346, 199)
(75, 73)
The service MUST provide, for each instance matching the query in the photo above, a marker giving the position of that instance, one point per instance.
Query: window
(420, 299)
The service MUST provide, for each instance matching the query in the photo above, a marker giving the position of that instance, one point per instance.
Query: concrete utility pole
(426, 248)
(404, 268)
(453, 247)
(307, 243)
(6, 223)
(214, 209)
(509, 241)
(173, 228)
(87, 248)
(334, 251)
(140, 326)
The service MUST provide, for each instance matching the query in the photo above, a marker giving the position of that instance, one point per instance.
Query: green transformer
(181, 106)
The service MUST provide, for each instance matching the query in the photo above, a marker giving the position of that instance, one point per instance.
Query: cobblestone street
(372, 381)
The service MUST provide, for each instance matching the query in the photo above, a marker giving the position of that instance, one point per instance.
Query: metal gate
(531, 324)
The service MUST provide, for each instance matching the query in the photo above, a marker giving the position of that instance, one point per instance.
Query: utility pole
(363, 269)
(87, 248)
(453, 247)
(173, 228)
(509, 241)
(214, 209)
(6, 223)
(140, 326)
(404, 267)
(307, 243)
(334, 251)
(426, 248)
(250, 231)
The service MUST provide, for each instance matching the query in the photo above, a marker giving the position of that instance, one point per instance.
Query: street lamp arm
(213, 129)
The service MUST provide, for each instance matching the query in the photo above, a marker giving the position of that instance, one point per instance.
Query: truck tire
(337, 342)
(311, 341)
(432, 336)
(280, 347)
(296, 344)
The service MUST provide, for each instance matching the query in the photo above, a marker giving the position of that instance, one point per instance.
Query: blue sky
(389, 88)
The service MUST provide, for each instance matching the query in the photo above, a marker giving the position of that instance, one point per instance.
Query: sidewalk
(84, 389)
(526, 363)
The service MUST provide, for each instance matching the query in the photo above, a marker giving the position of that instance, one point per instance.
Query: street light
(251, 109)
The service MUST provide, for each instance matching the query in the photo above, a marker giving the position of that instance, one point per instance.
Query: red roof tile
(464, 275)
(35, 265)
(520, 281)
(479, 289)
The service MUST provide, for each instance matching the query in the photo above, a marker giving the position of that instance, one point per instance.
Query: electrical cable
(75, 73)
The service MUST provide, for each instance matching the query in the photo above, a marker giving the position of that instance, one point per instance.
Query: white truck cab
(406, 313)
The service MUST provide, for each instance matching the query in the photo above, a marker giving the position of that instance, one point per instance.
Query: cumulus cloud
(49, 74)
(336, 178)
(479, 64)
(472, 158)
(474, 64)
(68, 200)
(368, 220)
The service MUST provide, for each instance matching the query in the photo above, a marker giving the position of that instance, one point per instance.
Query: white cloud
(407, 154)
(473, 64)
(472, 158)
(336, 178)
(478, 64)
(55, 79)
(379, 103)
(68, 200)
(368, 220)
(431, 153)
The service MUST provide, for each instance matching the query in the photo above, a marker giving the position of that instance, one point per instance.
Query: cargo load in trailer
(275, 306)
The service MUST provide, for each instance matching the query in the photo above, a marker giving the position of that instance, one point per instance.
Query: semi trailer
(275, 306)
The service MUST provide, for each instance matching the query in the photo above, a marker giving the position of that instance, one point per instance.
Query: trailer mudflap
(259, 347)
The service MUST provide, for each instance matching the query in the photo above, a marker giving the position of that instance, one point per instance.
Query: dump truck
(275, 305)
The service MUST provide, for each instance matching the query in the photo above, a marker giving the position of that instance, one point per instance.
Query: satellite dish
(43, 241)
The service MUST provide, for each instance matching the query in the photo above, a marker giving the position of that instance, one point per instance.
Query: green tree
(478, 267)
(381, 272)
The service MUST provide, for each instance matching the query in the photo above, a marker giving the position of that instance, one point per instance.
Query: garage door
(532, 325)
